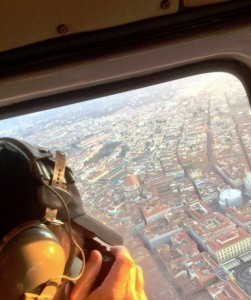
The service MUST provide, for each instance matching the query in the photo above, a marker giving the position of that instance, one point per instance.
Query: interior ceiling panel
(37, 21)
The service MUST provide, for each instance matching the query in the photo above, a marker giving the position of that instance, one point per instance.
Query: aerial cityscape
(169, 167)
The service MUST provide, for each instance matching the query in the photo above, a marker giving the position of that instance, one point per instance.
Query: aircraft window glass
(169, 167)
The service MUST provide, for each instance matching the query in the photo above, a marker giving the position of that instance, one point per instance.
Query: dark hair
(17, 190)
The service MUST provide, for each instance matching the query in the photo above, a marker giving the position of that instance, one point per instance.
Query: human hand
(123, 282)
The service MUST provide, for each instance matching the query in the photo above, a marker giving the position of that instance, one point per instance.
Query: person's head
(26, 173)
(18, 190)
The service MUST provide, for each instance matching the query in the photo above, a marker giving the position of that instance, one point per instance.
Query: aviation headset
(32, 261)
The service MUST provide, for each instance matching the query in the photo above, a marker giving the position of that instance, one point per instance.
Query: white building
(230, 198)
(247, 183)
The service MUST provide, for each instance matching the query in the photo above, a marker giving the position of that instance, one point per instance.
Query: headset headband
(41, 164)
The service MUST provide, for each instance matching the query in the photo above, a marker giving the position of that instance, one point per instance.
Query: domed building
(230, 198)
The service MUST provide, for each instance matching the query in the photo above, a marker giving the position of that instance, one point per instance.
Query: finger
(119, 275)
(140, 284)
(84, 285)
(120, 250)
(131, 288)
(139, 279)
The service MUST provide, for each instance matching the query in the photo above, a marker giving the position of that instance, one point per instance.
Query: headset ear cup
(28, 261)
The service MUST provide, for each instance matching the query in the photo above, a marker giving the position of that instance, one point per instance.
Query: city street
(243, 276)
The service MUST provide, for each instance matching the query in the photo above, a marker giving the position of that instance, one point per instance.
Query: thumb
(84, 285)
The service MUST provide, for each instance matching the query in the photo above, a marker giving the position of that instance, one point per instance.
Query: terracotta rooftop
(241, 214)
(149, 211)
(227, 290)
(214, 223)
(228, 239)
(131, 180)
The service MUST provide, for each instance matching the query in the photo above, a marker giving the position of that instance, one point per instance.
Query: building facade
(229, 246)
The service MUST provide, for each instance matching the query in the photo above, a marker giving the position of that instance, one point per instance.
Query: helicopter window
(169, 167)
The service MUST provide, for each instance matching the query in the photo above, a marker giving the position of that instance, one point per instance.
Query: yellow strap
(57, 181)
(29, 296)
